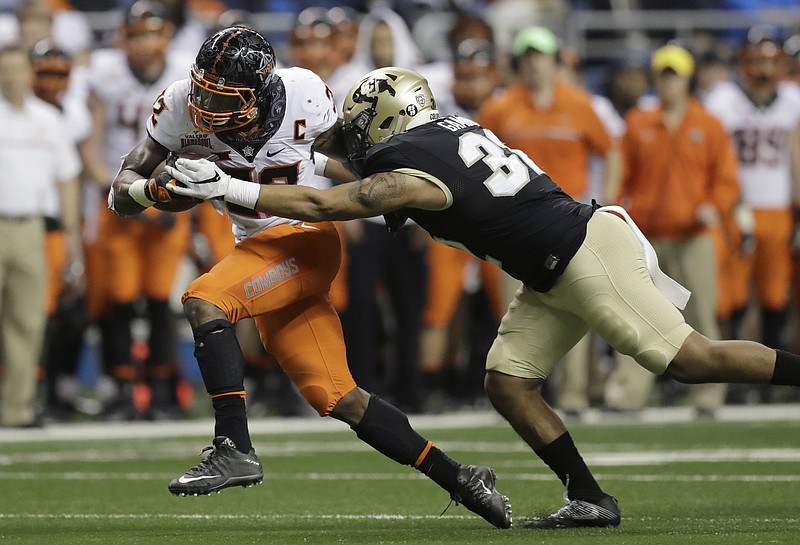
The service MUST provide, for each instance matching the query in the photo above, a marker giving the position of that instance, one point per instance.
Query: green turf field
(678, 484)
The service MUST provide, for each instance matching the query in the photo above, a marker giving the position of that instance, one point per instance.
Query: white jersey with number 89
(762, 137)
(286, 158)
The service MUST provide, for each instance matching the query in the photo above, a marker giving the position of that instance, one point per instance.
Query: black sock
(230, 417)
(773, 327)
(563, 458)
(222, 367)
(437, 465)
(119, 337)
(787, 369)
(386, 429)
(737, 322)
(162, 340)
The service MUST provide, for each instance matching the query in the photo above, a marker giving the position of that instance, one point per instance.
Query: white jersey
(77, 123)
(127, 101)
(35, 156)
(285, 158)
(762, 139)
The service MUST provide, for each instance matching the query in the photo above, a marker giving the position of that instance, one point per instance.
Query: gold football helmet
(385, 102)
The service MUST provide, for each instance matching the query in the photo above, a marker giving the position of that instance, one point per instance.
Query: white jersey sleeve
(169, 119)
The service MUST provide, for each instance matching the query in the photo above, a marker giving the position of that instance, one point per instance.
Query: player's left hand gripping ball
(202, 179)
(156, 189)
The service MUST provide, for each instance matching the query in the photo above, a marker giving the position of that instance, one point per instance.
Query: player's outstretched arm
(379, 194)
(126, 196)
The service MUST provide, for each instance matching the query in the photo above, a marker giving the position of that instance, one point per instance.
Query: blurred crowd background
(685, 112)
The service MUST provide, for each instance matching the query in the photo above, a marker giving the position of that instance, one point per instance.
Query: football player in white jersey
(53, 83)
(263, 126)
(142, 255)
(763, 116)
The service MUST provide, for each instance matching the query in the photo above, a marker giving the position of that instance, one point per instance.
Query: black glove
(156, 188)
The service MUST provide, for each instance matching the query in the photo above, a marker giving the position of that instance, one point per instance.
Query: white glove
(202, 178)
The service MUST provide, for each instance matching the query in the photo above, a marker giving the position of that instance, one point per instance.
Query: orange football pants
(97, 280)
(95, 260)
(281, 277)
(55, 244)
(339, 294)
(732, 285)
(769, 268)
(445, 284)
(142, 256)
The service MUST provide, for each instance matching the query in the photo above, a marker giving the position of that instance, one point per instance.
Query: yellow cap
(672, 57)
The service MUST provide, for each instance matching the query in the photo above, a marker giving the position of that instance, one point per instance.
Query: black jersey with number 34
(504, 209)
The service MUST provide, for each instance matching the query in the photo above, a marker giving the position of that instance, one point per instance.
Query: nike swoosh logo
(274, 153)
(485, 487)
(185, 480)
(210, 180)
(307, 226)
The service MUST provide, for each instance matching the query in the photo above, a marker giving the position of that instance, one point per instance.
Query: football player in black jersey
(583, 268)
(280, 271)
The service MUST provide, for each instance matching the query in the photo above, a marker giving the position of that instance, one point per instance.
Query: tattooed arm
(379, 194)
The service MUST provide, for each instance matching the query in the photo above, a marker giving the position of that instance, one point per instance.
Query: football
(179, 203)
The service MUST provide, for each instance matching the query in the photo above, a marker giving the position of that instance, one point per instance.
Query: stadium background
(597, 37)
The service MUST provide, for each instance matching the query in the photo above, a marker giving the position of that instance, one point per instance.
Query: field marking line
(410, 476)
(460, 420)
(267, 517)
(656, 456)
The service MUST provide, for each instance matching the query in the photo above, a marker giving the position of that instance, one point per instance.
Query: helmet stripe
(224, 47)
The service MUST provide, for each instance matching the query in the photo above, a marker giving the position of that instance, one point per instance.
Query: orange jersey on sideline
(559, 139)
(668, 173)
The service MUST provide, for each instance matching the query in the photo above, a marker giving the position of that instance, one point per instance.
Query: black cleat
(475, 491)
(223, 467)
(580, 514)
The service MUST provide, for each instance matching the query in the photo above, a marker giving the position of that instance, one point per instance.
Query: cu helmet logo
(371, 87)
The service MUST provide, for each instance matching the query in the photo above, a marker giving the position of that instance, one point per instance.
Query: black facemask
(356, 139)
